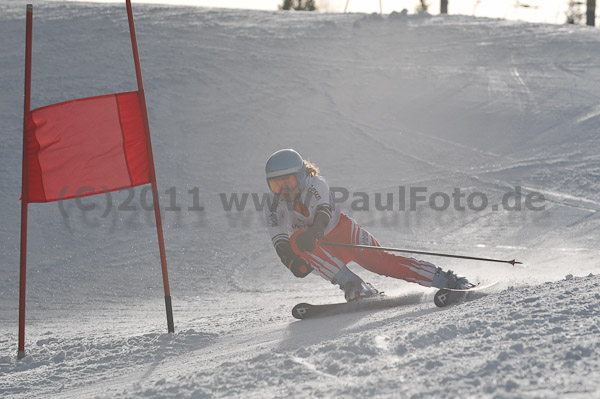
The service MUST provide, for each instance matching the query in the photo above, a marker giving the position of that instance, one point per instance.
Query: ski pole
(335, 244)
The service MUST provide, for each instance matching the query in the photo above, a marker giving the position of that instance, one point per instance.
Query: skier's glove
(299, 267)
(292, 261)
(306, 239)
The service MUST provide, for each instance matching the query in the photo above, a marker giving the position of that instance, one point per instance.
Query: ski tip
(300, 310)
(445, 297)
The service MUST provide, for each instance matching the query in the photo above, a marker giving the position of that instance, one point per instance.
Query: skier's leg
(324, 264)
(334, 270)
(384, 263)
(352, 285)
(408, 269)
(330, 267)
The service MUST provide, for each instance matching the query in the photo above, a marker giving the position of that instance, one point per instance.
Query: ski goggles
(283, 184)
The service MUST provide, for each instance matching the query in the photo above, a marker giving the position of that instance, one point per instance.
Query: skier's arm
(306, 239)
(322, 218)
(323, 211)
(316, 231)
(281, 241)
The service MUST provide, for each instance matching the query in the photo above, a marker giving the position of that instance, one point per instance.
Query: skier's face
(286, 186)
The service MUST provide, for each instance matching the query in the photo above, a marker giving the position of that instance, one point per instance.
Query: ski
(448, 296)
(442, 298)
(306, 310)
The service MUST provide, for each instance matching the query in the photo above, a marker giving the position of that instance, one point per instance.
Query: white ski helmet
(285, 169)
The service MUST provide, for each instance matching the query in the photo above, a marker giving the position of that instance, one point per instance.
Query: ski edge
(478, 287)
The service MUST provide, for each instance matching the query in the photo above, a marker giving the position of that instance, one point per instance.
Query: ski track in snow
(377, 102)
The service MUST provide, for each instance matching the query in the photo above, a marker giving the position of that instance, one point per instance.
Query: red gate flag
(96, 142)
(74, 148)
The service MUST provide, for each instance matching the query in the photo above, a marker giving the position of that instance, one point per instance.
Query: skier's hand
(292, 261)
(299, 267)
(306, 241)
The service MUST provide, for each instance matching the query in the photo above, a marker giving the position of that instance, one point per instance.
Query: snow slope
(441, 103)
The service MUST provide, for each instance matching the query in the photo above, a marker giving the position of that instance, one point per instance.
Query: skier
(302, 212)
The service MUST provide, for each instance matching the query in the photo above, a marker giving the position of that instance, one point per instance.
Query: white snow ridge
(380, 104)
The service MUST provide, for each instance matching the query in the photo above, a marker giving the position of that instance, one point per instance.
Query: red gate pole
(161, 243)
(24, 191)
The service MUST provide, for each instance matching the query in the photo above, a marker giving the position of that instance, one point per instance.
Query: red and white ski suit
(286, 220)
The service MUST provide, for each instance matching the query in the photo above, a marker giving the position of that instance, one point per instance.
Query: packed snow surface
(382, 104)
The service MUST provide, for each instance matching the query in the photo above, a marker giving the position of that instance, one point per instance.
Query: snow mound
(535, 341)
(73, 358)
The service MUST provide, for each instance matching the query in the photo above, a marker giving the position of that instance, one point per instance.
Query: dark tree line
(575, 15)
(298, 5)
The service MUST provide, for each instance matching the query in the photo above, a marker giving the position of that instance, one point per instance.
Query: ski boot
(450, 280)
(353, 286)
